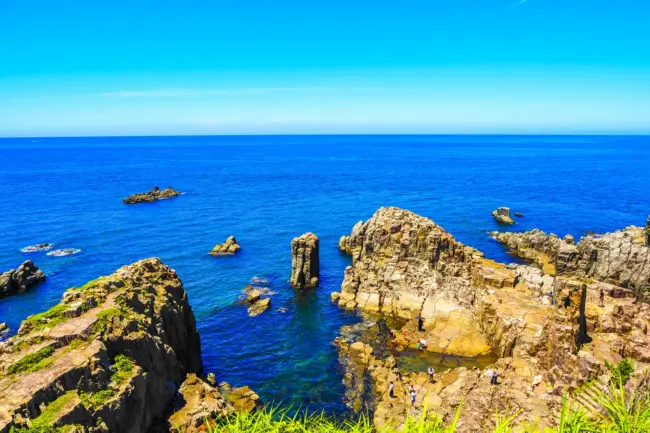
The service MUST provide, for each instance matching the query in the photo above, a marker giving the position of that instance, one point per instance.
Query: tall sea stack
(304, 261)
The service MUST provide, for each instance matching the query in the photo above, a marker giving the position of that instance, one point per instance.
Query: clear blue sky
(112, 67)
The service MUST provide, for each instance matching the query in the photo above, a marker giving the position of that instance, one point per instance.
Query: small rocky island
(502, 215)
(153, 195)
(228, 248)
(17, 280)
(534, 319)
(122, 353)
(304, 261)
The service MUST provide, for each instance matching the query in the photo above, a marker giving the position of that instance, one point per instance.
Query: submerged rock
(519, 214)
(153, 195)
(25, 277)
(228, 248)
(64, 252)
(113, 354)
(304, 261)
(502, 215)
(36, 248)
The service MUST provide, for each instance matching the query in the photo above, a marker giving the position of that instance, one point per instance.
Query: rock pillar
(502, 215)
(304, 261)
(647, 232)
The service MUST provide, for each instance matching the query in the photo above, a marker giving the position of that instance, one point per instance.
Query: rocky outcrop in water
(17, 280)
(502, 215)
(621, 258)
(304, 261)
(546, 322)
(228, 248)
(111, 356)
(153, 195)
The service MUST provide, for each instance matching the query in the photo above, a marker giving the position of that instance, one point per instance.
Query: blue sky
(111, 67)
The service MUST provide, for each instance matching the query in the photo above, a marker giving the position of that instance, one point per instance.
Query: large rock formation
(26, 276)
(647, 232)
(621, 258)
(304, 261)
(153, 195)
(111, 356)
(228, 248)
(502, 215)
(538, 323)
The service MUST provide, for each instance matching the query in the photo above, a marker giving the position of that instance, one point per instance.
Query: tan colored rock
(243, 399)
(3, 327)
(153, 195)
(304, 261)
(258, 307)
(228, 248)
(199, 401)
(502, 215)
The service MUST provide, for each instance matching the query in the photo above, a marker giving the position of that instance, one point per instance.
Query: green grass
(49, 415)
(105, 317)
(124, 369)
(96, 399)
(33, 362)
(49, 318)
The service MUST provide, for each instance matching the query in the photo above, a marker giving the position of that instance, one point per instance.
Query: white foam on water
(36, 248)
(64, 252)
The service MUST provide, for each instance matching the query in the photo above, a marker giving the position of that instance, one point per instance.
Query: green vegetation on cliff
(33, 362)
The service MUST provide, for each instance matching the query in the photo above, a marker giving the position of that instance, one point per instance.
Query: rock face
(502, 215)
(112, 354)
(228, 248)
(537, 319)
(198, 400)
(304, 261)
(621, 258)
(259, 306)
(647, 232)
(153, 195)
(25, 277)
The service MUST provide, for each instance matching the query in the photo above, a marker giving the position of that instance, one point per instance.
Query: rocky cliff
(545, 321)
(109, 357)
(26, 276)
(305, 261)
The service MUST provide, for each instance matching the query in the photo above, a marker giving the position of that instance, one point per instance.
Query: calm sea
(265, 191)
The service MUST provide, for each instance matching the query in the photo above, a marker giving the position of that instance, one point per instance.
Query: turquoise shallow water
(265, 191)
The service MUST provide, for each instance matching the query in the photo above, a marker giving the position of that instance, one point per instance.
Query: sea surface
(267, 190)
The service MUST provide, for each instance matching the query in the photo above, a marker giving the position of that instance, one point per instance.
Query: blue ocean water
(265, 191)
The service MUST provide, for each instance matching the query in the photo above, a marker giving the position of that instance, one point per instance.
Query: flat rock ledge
(111, 356)
(153, 195)
(17, 280)
(305, 261)
(228, 248)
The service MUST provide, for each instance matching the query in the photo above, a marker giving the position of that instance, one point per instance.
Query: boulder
(3, 327)
(258, 307)
(502, 215)
(25, 277)
(197, 402)
(228, 248)
(153, 195)
(253, 296)
(243, 399)
(304, 261)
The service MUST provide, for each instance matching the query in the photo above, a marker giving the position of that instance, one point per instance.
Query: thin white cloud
(185, 92)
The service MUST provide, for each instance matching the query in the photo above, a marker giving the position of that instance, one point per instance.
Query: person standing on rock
(413, 394)
(495, 375)
(431, 372)
(420, 324)
(391, 390)
(602, 297)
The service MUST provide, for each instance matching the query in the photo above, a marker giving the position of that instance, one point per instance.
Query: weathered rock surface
(25, 277)
(198, 401)
(647, 232)
(545, 322)
(259, 306)
(228, 248)
(621, 258)
(304, 261)
(3, 327)
(119, 347)
(502, 215)
(153, 195)
(242, 398)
